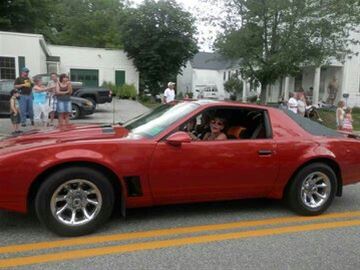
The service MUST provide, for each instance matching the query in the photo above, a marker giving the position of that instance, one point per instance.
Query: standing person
(347, 124)
(63, 92)
(301, 103)
(15, 110)
(24, 85)
(41, 102)
(169, 93)
(340, 114)
(52, 96)
(292, 103)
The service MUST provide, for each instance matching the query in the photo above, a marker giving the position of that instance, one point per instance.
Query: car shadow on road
(222, 210)
(168, 216)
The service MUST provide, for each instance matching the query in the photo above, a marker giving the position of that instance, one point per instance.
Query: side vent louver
(133, 186)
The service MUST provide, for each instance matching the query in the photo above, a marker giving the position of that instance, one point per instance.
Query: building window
(229, 75)
(7, 68)
(224, 76)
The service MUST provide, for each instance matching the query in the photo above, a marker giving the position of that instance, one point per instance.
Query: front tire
(312, 190)
(75, 112)
(74, 201)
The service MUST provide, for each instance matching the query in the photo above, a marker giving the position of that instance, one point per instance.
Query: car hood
(68, 134)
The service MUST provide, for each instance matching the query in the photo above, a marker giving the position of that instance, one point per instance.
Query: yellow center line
(171, 231)
(152, 245)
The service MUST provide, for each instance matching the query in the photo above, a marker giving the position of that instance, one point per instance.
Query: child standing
(347, 123)
(41, 103)
(15, 111)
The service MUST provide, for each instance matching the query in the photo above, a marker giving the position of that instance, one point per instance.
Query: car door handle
(264, 152)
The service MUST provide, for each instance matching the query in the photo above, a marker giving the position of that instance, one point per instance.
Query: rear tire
(74, 201)
(312, 190)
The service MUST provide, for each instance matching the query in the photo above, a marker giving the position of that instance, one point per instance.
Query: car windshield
(151, 124)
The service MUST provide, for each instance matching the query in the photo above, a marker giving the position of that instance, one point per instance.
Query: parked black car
(80, 106)
(97, 95)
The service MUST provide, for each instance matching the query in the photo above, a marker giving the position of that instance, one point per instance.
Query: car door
(212, 170)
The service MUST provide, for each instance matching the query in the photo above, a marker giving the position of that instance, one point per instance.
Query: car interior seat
(235, 132)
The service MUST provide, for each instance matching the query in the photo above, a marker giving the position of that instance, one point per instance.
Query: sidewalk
(117, 111)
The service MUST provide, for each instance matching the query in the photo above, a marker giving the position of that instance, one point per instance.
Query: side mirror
(178, 138)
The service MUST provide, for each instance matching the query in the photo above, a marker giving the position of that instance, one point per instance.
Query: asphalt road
(246, 234)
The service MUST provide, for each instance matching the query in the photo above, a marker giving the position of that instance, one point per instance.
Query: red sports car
(186, 152)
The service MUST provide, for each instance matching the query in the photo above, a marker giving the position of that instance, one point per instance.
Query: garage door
(89, 77)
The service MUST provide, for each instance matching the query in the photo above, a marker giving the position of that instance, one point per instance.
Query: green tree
(159, 37)
(93, 23)
(274, 38)
(234, 86)
(26, 16)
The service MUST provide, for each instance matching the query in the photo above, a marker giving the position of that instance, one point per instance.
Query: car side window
(235, 124)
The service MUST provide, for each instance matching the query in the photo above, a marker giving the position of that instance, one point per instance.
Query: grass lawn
(329, 118)
(150, 104)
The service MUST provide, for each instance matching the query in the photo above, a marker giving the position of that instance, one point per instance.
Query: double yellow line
(157, 244)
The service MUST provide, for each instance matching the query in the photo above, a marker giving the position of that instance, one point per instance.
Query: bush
(126, 91)
(144, 99)
(356, 109)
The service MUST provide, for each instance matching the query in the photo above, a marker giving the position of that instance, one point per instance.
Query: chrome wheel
(315, 190)
(76, 202)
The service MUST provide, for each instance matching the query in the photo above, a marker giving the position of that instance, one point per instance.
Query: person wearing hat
(169, 93)
(24, 85)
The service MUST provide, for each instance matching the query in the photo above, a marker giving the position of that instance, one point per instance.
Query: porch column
(286, 88)
(316, 86)
(244, 91)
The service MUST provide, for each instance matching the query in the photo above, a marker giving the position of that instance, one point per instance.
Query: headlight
(87, 103)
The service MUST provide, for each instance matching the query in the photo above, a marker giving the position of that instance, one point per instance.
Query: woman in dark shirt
(63, 92)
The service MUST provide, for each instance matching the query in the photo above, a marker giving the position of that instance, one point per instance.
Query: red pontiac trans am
(73, 178)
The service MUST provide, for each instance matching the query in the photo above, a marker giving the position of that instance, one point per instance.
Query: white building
(92, 66)
(347, 75)
(205, 76)
(210, 69)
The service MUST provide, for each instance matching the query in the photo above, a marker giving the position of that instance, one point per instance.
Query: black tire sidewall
(78, 112)
(47, 189)
(294, 192)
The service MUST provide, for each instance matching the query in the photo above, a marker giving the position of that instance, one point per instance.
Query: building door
(89, 77)
(119, 77)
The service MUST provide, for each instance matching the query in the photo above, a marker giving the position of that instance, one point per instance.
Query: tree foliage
(26, 16)
(93, 23)
(275, 38)
(159, 37)
(234, 86)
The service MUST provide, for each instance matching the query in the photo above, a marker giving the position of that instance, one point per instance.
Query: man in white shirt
(293, 103)
(169, 93)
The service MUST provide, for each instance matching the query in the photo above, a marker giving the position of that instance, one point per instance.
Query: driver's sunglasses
(218, 123)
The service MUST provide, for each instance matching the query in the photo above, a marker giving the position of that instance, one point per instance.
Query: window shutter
(21, 61)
